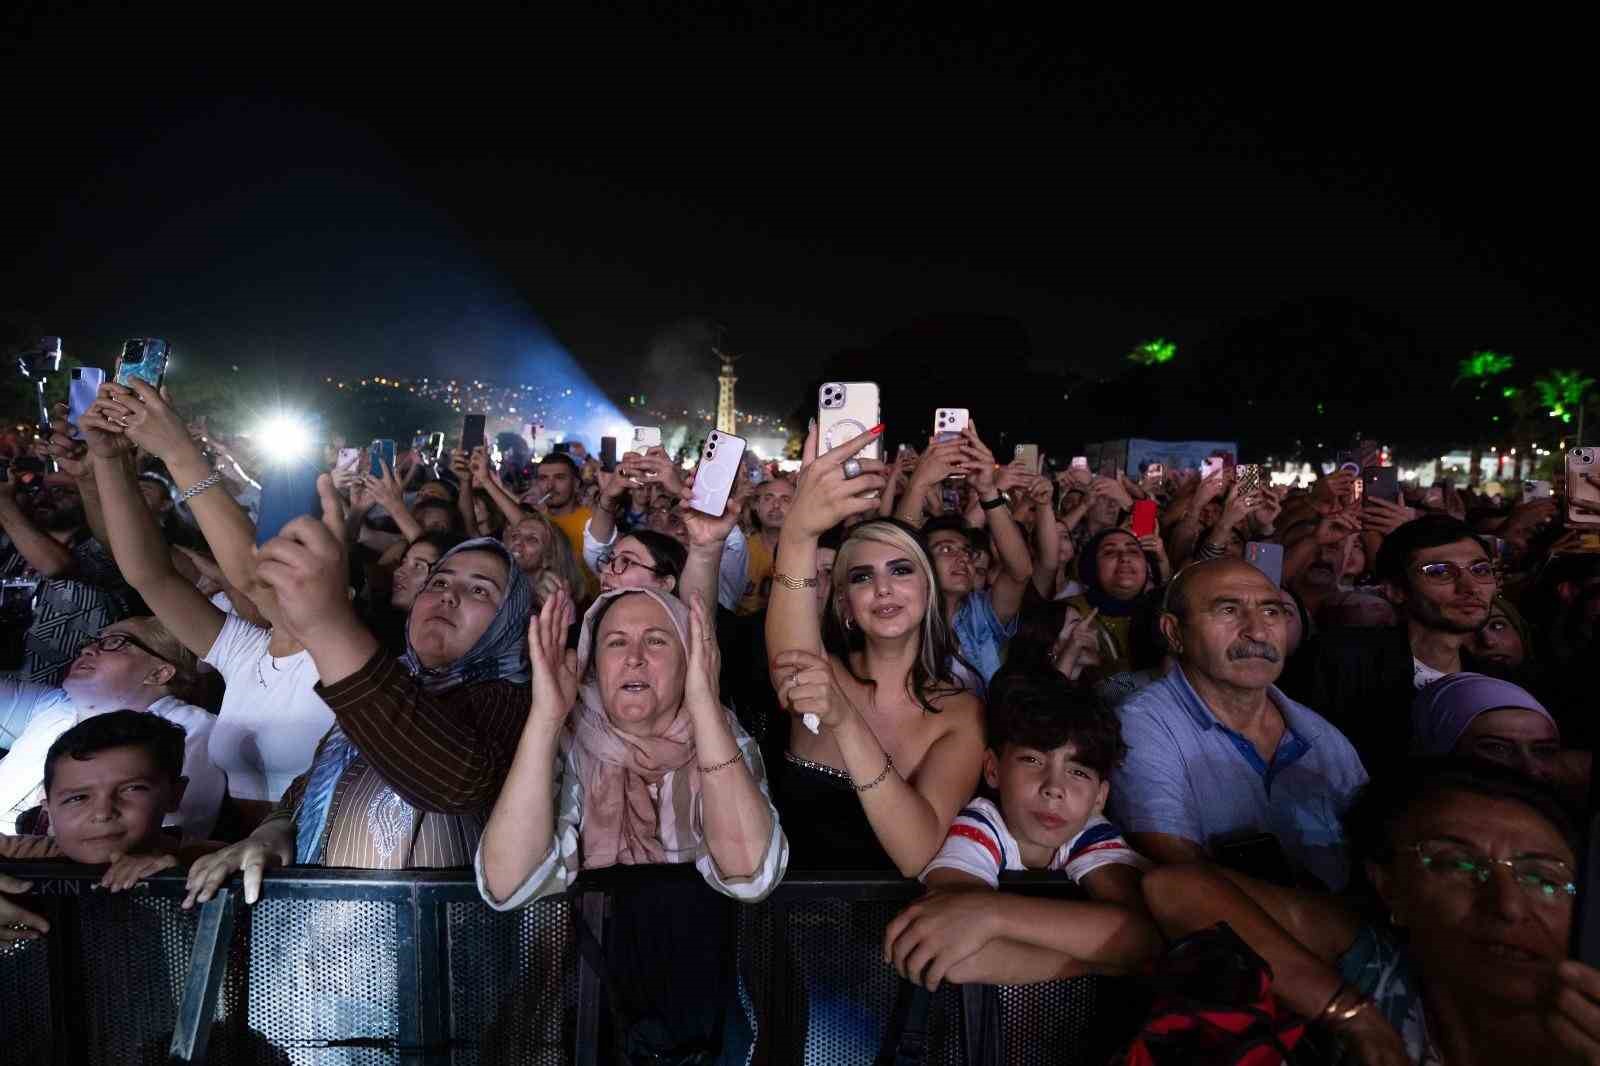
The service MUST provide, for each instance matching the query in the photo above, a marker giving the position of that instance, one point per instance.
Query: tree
(1156, 352)
(1562, 393)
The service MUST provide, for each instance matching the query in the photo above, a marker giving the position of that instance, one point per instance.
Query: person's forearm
(354, 521)
(700, 573)
(1185, 535)
(522, 825)
(504, 500)
(131, 533)
(37, 548)
(886, 507)
(902, 819)
(469, 513)
(910, 507)
(734, 814)
(340, 647)
(792, 623)
(603, 520)
(1105, 937)
(1011, 962)
(227, 528)
(93, 514)
(1010, 546)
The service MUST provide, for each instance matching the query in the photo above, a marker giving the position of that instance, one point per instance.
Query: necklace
(261, 679)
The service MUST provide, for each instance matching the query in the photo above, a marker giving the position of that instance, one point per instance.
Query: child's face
(112, 802)
(1046, 796)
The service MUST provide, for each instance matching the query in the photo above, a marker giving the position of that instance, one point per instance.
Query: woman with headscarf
(1482, 717)
(1116, 568)
(631, 770)
(407, 774)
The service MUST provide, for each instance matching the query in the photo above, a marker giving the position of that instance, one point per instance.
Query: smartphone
(720, 460)
(1080, 462)
(288, 490)
(752, 469)
(1381, 482)
(1144, 517)
(472, 432)
(1210, 465)
(645, 437)
(381, 449)
(845, 410)
(81, 391)
(1266, 557)
(144, 358)
(608, 454)
(1581, 462)
(1250, 479)
(1028, 456)
(435, 445)
(1538, 490)
(348, 458)
(1260, 856)
(948, 422)
(1155, 472)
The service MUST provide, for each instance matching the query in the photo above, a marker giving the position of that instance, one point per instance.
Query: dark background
(977, 206)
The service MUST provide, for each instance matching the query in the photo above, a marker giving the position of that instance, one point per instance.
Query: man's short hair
(428, 503)
(162, 740)
(1041, 709)
(945, 523)
(563, 458)
(1419, 534)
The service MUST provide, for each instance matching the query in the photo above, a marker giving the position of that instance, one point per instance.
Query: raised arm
(1010, 546)
(936, 464)
(137, 545)
(823, 498)
(708, 537)
(461, 467)
(392, 498)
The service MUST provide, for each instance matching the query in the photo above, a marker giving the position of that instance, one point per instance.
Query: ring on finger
(851, 468)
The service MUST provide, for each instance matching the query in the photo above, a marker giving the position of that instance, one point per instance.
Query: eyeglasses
(118, 641)
(1546, 880)
(948, 548)
(618, 565)
(1449, 573)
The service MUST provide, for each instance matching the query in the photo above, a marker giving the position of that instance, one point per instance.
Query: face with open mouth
(1496, 939)
(885, 593)
(639, 665)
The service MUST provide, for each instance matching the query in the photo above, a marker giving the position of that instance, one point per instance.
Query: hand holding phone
(144, 358)
(720, 461)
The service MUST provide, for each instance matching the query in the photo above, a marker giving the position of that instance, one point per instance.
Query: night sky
(418, 198)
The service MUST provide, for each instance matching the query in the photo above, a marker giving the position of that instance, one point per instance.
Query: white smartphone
(1028, 456)
(81, 391)
(1581, 461)
(1210, 465)
(348, 458)
(646, 437)
(720, 460)
(1080, 462)
(845, 410)
(948, 422)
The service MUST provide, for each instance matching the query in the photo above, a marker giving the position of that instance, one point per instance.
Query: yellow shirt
(572, 525)
(758, 576)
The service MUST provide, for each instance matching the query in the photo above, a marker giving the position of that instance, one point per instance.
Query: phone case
(1144, 518)
(472, 432)
(948, 422)
(144, 358)
(845, 410)
(719, 466)
(1249, 478)
(1210, 466)
(288, 490)
(1267, 558)
(383, 448)
(81, 391)
(1028, 454)
(646, 437)
(1581, 461)
(348, 458)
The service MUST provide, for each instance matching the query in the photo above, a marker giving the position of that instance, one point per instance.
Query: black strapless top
(822, 817)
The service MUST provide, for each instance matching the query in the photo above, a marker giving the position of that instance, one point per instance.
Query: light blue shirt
(981, 634)
(1190, 776)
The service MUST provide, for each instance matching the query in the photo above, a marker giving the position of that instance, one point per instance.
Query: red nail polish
(877, 429)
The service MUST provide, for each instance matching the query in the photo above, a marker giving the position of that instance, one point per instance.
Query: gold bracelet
(721, 765)
(888, 764)
(794, 584)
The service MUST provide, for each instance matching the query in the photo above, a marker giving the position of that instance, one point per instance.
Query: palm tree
(1154, 353)
(1562, 392)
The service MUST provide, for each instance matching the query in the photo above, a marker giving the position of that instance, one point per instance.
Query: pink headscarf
(622, 821)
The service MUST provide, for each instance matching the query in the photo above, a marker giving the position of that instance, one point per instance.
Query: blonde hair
(558, 555)
(932, 674)
(186, 682)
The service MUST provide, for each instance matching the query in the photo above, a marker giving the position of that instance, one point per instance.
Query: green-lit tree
(1562, 393)
(1156, 352)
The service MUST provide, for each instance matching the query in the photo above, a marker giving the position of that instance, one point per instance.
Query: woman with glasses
(642, 559)
(1461, 958)
(135, 665)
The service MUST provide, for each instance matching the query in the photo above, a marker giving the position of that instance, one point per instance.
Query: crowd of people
(1374, 766)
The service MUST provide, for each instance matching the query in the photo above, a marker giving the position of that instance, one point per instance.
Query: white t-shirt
(1423, 675)
(979, 844)
(271, 719)
(49, 712)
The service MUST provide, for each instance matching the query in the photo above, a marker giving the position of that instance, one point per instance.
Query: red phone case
(1144, 518)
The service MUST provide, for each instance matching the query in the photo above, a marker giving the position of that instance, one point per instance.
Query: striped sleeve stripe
(973, 833)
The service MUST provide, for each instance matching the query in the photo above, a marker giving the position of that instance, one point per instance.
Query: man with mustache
(1221, 765)
(1440, 577)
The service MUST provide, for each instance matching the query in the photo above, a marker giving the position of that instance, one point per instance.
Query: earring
(849, 624)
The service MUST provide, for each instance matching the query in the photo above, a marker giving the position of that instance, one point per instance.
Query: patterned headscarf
(499, 654)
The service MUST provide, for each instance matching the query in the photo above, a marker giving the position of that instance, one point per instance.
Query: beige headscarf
(622, 821)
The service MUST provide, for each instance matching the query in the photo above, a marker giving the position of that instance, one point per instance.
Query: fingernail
(877, 429)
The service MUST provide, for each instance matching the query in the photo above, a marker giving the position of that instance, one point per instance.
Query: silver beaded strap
(200, 486)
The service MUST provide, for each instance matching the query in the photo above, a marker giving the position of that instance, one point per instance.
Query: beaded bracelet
(888, 764)
(211, 481)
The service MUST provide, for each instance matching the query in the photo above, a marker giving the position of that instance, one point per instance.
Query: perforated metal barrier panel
(413, 968)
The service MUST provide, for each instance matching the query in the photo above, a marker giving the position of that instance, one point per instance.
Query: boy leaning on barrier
(109, 782)
(1051, 749)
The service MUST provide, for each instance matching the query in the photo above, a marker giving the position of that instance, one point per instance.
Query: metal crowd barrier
(373, 967)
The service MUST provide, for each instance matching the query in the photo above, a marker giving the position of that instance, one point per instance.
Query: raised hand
(1383, 517)
(824, 497)
(555, 666)
(704, 529)
(1078, 646)
(702, 682)
(146, 418)
(807, 688)
(386, 490)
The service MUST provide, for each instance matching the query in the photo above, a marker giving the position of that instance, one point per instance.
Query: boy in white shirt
(1051, 749)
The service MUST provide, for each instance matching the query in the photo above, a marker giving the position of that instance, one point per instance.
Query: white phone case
(948, 422)
(81, 391)
(1582, 461)
(719, 466)
(845, 410)
(646, 437)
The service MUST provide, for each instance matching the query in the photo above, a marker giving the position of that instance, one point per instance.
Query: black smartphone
(1381, 482)
(1260, 856)
(144, 358)
(382, 448)
(608, 454)
(472, 432)
(288, 490)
